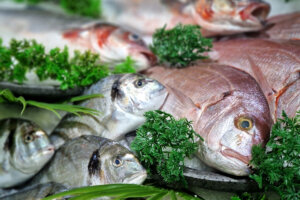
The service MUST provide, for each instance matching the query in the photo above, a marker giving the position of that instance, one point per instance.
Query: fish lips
(137, 178)
(256, 12)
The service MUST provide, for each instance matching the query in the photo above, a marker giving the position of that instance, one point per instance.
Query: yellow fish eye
(139, 83)
(244, 123)
(28, 137)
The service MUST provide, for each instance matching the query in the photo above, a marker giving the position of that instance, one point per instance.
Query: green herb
(122, 191)
(181, 45)
(6, 96)
(162, 143)
(248, 196)
(27, 55)
(90, 8)
(277, 167)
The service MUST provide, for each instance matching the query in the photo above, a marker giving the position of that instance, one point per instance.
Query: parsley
(162, 143)
(181, 45)
(81, 70)
(278, 166)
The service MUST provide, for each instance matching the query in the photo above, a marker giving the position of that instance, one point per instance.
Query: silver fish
(113, 43)
(24, 150)
(126, 98)
(91, 160)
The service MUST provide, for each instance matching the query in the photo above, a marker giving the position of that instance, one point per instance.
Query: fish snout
(256, 12)
(150, 57)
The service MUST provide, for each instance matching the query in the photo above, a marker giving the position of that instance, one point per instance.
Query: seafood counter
(233, 97)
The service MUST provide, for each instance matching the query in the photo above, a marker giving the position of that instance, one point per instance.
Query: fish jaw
(219, 18)
(138, 178)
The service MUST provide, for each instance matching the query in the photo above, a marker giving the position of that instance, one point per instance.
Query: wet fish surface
(112, 42)
(24, 150)
(126, 98)
(91, 160)
(216, 17)
(227, 107)
(274, 64)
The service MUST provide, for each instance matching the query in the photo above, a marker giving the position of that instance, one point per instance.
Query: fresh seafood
(126, 98)
(285, 27)
(275, 66)
(113, 43)
(24, 150)
(91, 160)
(216, 17)
(227, 107)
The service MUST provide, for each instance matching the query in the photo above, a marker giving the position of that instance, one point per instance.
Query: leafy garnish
(83, 69)
(162, 143)
(277, 167)
(6, 96)
(122, 191)
(181, 45)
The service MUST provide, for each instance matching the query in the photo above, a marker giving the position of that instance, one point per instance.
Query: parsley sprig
(181, 45)
(81, 70)
(277, 167)
(162, 143)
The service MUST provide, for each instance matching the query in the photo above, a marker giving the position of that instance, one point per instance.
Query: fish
(227, 109)
(283, 27)
(91, 160)
(216, 17)
(24, 151)
(112, 42)
(274, 64)
(126, 97)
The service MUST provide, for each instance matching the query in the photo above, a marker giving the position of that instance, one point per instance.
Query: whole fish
(227, 107)
(24, 150)
(113, 43)
(275, 66)
(91, 160)
(216, 17)
(126, 98)
(285, 27)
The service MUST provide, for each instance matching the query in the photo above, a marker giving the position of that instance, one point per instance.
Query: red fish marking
(204, 9)
(72, 34)
(103, 33)
(255, 11)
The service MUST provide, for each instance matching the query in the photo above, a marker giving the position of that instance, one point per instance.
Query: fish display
(126, 98)
(91, 160)
(113, 43)
(216, 17)
(284, 27)
(227, 107)
(275, 66)
(24, 150)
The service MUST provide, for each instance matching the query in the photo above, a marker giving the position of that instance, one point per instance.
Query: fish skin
(218, 99)
(284, 27)
(216, 17)
(122, 108)
(24, 150)
(113, 43)
(90, 160)
(274, 64)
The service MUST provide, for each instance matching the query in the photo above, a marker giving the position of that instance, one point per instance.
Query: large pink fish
(227, 107)
(216, 17)
(275, 65)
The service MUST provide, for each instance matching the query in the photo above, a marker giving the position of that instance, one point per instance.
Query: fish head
(137, 94)
(231, 16)
(119, 165)
(31, 147)
(232, 126)
(114, 44)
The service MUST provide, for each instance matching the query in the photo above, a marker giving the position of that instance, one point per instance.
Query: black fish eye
(244, 123)
(28, 138)
(134, 37)
(140, 83)
(117, 162)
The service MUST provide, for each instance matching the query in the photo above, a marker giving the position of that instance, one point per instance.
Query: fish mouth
(236, 155)
(138, 178)
(150, 57)
(256, 12)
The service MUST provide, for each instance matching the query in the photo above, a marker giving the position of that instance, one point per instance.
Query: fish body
(91, 160)
(284, 27)
(126, 98)
(24, 150)
(274, 64)
(216, 17)
(228, 110)
(113, 43)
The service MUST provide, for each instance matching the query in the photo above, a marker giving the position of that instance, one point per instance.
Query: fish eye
(139, 83)
(244, 123)
(134, 37)
(28, 138)
(117, 162)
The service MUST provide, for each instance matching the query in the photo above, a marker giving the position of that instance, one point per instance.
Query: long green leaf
(85, 97)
